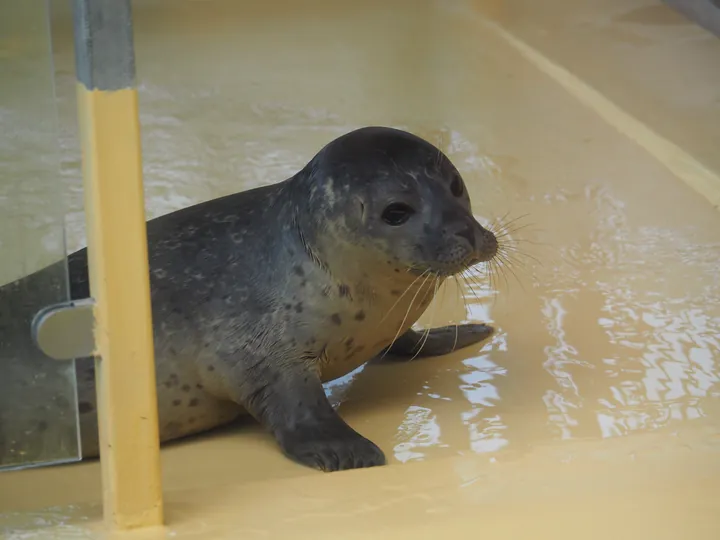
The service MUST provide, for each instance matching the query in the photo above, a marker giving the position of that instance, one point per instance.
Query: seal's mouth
(458, 260)
(460, 253)
(481, 259)
(452, 269)
(486, 255)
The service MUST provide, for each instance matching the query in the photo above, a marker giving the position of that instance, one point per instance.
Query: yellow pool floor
(594, 412)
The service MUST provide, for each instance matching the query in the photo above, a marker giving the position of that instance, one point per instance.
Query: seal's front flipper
(439, 341)
(329, 444)
(290, 402)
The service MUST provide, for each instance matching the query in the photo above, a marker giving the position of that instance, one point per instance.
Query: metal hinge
(66, 331)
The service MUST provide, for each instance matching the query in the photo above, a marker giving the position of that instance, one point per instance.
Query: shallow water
(608, 316)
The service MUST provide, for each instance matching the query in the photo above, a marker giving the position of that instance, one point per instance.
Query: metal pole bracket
(66, 331)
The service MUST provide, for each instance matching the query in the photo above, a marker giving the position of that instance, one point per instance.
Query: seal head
(396, 199)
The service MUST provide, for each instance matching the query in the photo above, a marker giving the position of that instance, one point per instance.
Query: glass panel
(38, 396)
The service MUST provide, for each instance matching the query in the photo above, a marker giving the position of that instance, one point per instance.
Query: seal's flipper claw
(439, 341)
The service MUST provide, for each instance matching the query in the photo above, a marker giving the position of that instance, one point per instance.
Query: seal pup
(261, 296)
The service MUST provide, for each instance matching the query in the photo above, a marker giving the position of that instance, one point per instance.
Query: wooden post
(118, 263)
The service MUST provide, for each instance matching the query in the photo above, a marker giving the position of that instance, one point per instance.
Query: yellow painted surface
(593, 413)
(117, 247)
(683, 165)
(642, 65)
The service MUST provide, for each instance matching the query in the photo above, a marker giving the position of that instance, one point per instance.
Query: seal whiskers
(426, 332)
(407, 289)
(428, 275)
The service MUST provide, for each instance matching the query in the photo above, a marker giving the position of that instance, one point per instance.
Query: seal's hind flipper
(439, 341)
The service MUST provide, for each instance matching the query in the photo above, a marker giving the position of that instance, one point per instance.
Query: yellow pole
(118, 263)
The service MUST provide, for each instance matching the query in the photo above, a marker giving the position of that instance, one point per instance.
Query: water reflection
(486, 432)
(418, 430)
(658, 351)
(623, 349)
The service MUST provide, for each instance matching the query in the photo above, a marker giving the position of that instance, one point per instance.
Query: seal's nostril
(469, 235)
(487, 246)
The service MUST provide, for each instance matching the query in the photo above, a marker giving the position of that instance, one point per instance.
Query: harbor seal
(261, 296)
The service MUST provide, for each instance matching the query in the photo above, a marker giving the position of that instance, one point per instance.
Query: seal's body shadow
(261, 296)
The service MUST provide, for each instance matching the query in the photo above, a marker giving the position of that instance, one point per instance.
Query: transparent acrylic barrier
(38, 398)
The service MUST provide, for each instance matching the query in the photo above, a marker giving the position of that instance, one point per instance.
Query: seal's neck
(344, 266)
(309, 220)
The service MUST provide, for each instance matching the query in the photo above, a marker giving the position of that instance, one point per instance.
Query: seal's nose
(468, 234)
(483, 243)
(487, 244)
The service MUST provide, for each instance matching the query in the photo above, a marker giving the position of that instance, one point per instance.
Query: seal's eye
(456, 186)
(397, 214)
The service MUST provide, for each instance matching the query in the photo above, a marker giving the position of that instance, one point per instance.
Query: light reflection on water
(419, 430)
(626, 349)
